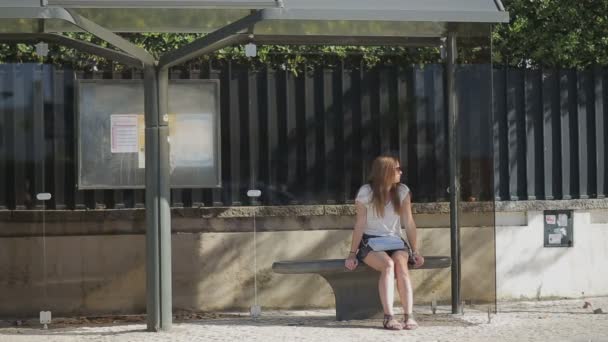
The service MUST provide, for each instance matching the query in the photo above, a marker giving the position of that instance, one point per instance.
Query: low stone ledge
(576, 204)
(16, 223)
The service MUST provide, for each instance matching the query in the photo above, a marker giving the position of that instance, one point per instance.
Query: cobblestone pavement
(559, 320)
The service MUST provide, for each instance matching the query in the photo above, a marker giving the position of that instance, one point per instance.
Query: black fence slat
(605, 132)
(38, 143)
(20, 122)
(272, 96)
(244, 114)
(421, 136)
(411, 134)
(49, 133)
(367, 150)
(299, 189)
(533, 125)
(439, 125)
(348, 142)
(59, 146)
(386, 120)
(338, 194)
(515, 122)
(403, 119)
(329, 139)
(432, 140)
(261, 171)
(549, 90)
(471, 82)
(290, 151)
(236, 135)
(565, 88)
(282, 148)
(310, 144)
(358, 168)
(254, 131)
(501, 152)
(590, 154)
(583, 116)
(484, 176)
(5, 135)
(600, 93)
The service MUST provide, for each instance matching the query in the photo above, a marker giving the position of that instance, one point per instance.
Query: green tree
(553, 33)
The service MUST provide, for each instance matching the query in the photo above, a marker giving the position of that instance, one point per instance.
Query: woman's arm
(410, 228)
(360, 221)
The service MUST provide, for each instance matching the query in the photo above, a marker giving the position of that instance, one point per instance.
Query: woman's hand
(418, 260)
(351, 262)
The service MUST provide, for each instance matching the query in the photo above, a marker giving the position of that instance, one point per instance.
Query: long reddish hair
(382, 181)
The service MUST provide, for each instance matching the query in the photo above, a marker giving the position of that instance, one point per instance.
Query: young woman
(382, 206)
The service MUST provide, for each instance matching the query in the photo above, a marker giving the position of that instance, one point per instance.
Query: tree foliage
(542, 33)
(553, 33)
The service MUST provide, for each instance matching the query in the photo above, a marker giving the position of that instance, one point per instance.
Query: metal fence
(308, 139)
(550, 133)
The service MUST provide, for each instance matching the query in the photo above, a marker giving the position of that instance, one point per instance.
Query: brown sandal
(412, 325)
(391, 323)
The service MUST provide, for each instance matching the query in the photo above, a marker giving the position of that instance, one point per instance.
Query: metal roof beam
(84, 23)
(97, 50)
(226, 36)
(397, 15)
(212, 4)
(112, 38)
(344, 40)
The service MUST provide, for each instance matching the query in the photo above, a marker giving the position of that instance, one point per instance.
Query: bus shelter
(439, 23)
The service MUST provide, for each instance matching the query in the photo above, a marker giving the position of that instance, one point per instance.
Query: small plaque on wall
(558, 228)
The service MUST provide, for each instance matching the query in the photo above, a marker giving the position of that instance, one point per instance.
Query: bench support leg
(356, 294)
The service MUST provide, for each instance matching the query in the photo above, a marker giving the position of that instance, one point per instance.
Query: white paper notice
(124, 133)
(550, 219)
(562, 220)
(141, 153)
(555, 239)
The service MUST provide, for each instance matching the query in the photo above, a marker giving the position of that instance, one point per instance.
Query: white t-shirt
(390, 224)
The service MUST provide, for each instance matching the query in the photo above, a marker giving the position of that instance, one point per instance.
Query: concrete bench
(356, 292)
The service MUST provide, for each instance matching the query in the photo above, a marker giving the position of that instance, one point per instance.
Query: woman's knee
(388, 265)
(400, 262)
(401, 271)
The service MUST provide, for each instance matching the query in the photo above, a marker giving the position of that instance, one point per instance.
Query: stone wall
(95, 260)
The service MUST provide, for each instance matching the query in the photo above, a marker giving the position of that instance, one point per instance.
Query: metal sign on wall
(111, 130)
(558, 228)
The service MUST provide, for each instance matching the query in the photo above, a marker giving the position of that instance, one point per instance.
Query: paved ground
(561, 320)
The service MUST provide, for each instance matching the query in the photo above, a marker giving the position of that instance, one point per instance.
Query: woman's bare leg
(380, 261)
(404, 284)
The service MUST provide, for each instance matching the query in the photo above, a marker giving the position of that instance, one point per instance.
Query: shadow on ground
(83, 326)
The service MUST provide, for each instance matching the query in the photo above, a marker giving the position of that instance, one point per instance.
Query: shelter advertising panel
(111, 131)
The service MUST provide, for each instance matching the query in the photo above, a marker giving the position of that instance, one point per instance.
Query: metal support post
(164, 198)
(454, 161)
(158, 215)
